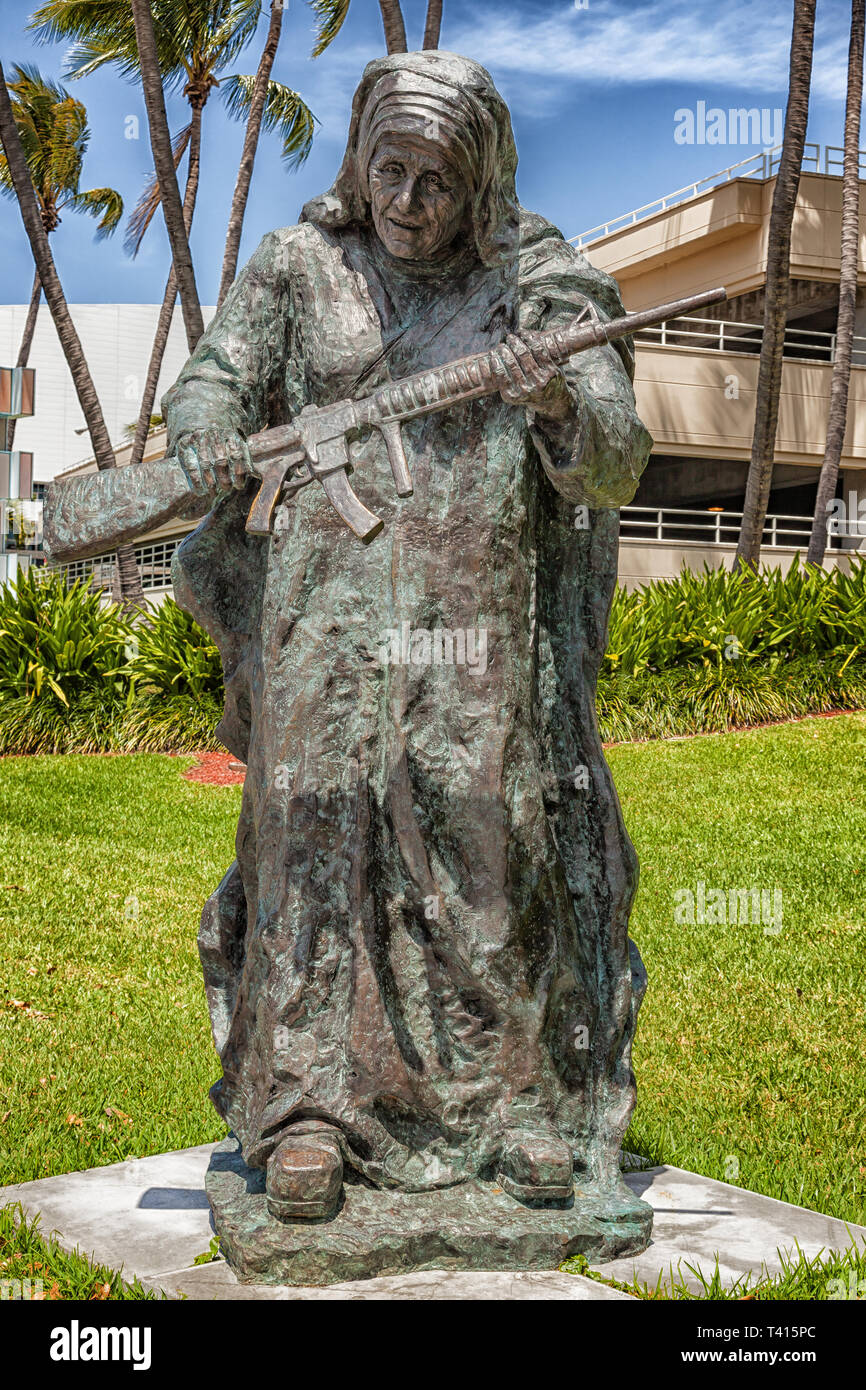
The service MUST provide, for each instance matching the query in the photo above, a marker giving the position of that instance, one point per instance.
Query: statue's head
(429, 163)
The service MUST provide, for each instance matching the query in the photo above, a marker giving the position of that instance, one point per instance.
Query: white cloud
(740, 44)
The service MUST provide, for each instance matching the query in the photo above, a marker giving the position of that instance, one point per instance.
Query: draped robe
(423, 939)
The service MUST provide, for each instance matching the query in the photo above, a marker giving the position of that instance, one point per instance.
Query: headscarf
(451, 102)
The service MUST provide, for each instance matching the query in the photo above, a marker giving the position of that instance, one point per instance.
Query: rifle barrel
(469, 378)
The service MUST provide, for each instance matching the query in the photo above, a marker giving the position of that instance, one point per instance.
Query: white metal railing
(807, 344)
(154, 563)
(723, 527)
(761, 165)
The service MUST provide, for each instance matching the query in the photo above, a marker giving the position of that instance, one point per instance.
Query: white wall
(640, 562)
(117, 340)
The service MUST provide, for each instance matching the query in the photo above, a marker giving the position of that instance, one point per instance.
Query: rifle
(92, 512)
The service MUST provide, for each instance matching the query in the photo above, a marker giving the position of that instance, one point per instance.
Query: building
(117, 341)
(696, 377)
(51, 439)
(21, 530)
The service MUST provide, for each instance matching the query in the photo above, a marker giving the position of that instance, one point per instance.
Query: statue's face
(417, 199)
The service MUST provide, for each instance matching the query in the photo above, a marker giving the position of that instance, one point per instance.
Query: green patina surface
(423, 940)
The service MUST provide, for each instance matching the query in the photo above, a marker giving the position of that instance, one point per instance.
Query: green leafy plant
(691, 621)
(77, 676)
(62, 654)
(58, 642)
(172, 654)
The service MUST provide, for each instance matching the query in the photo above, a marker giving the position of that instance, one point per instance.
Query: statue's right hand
(214, 460)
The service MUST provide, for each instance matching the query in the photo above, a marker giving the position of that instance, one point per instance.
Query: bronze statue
(418, 968)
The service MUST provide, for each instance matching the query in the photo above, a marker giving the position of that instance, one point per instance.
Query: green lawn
(749, 1046)
(105, 864)
(749, 1051)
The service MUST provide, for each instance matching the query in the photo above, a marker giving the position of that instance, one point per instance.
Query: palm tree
(153, 44)
(776, 299)
(31, 216)
(838, 412)
(163, 158)
(433, 25)
(54, 135)
(195, 41)
(271, 105)
(333, 12)
(138, 225)
(392, 23)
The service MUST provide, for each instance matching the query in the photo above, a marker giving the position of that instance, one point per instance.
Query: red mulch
(218, 769)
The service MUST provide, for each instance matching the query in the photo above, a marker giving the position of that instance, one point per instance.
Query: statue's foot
(536, 1166)
(305, 1175)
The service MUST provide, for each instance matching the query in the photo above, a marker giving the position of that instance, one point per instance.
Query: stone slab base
(150, 1218)
(472, 1226)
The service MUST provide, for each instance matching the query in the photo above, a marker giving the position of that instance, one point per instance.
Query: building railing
(679, 524)
(153, 560)
(761, 166)
(667, 524)
(806, 344)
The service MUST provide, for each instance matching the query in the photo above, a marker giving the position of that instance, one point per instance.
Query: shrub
(689, 621)
(58, 642)
(77, 676)
(173, 655)
(62, 657)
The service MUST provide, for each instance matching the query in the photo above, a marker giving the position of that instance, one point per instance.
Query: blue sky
(593, 87)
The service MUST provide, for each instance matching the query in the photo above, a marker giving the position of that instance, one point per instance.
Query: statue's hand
(214, 460)
(527, 375)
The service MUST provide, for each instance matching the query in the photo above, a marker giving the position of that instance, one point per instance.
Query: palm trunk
(248, 154)
(395, 29)
(776, 307)
(838, 412)
(166, 313)
(433, 27)
(129, 588)
(163, 162)
(66, 331)
(26, 344)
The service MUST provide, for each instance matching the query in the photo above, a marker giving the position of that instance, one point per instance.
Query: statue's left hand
(527, 375)
(214, 460)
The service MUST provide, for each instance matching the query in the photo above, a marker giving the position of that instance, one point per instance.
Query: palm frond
(103, 31)
(87, 56)
(285, 111)
(67, 143)
(145, 209)
(54, 135)
(238, 26)
(105, 203)
(28, 79)
(330, 16)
